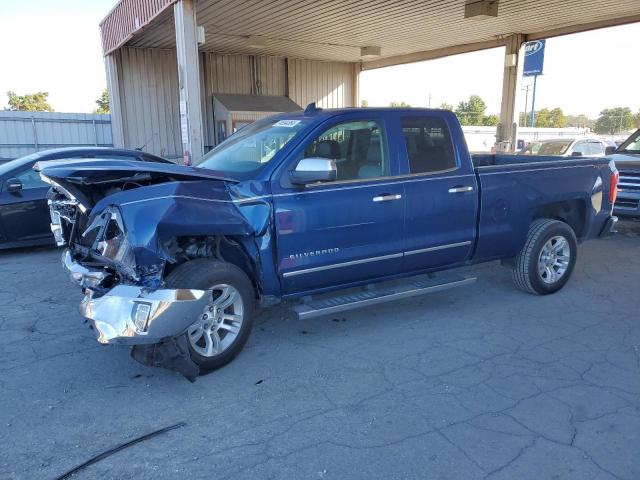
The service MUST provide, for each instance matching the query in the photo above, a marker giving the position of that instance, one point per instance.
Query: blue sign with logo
(533, 58)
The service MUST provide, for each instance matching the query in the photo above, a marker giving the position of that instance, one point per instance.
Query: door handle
(461, 189)
(387, 198)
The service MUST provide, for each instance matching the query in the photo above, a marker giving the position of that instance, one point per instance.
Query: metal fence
(22, 133)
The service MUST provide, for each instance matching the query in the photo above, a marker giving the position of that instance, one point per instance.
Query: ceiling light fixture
(256, 42)
(481, 9)
(370, 52)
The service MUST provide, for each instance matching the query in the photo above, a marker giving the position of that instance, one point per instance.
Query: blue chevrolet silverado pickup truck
(327, 209)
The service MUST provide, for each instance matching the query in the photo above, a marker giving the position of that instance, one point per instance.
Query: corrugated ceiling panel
(331, 30)
(128, 17)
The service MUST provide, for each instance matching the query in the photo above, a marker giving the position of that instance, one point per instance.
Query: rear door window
(428, 144)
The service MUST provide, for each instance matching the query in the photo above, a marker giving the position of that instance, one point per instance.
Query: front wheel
(547, 259)
(220, 331)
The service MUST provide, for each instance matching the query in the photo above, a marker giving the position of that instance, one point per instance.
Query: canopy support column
(506, 139)
(189, 81)
(115, 107)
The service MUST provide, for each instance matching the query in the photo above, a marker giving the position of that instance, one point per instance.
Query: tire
(203, 274)
(539, 268)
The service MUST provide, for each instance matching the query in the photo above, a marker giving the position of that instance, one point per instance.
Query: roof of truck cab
(331, 112)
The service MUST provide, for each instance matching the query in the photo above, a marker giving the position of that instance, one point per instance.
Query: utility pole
(526, 104)
(429, 99)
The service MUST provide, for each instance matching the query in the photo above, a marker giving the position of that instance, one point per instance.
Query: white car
(567, 147)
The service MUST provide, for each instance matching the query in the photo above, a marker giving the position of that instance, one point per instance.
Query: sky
(583, 73)
(54, 46)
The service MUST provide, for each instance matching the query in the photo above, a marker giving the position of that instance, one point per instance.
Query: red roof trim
(126, 18)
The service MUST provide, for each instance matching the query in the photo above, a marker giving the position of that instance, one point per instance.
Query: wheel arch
(238, 251)
(573, 212)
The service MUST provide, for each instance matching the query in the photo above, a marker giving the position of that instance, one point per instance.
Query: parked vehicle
(24, 214)
(567, 147)
(627, 160)
(309, 203)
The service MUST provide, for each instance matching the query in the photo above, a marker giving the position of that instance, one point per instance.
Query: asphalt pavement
(478, 382)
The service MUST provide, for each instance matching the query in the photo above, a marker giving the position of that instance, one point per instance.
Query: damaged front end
(122, 240)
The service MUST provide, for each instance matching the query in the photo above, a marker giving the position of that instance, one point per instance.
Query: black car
(24, 214)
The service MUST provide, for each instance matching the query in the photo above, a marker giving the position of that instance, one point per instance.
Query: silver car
(567, 147)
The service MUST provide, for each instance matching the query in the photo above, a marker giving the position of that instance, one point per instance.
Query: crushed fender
(172, 354)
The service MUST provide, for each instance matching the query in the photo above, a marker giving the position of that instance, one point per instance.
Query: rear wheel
(547, 259)
(220, 331)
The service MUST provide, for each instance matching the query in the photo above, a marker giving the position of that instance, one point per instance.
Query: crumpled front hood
(96, 171)
(89, 181)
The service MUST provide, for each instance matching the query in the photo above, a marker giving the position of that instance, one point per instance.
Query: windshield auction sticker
(286, 123)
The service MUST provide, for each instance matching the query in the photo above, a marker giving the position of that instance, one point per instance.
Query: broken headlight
(109, 240)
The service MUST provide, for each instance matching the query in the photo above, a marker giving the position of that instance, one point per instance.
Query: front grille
(627, 203)
(629, 180)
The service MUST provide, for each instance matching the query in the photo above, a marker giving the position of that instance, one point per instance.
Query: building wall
(148, 82)
(329, 84)
(236, 74)
(241, 74)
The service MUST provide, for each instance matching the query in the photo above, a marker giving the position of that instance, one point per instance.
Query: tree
(614, 120)
(557, 118)
(399, 104)
(471, 112)
(579, 121)
(636, 120)
(545, 118)
(364, 103)
(103, 102)
(30, 102)
(491, 120)
(446, 106)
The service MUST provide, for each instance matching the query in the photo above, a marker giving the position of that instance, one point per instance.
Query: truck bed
(513, 188)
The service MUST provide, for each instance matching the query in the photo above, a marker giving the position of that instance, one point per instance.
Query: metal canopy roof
(409, 30)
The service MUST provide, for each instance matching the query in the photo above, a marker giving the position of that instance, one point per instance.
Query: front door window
(358, 147)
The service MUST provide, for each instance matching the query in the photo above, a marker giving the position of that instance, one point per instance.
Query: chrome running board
(378, 294)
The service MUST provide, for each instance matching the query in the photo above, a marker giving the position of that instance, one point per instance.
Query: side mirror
(610, 149)
(13, 185)
(313, 170)
(576, 154)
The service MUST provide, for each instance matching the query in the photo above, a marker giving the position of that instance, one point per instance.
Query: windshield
(251, 148)
(553, 148)
(631, 144)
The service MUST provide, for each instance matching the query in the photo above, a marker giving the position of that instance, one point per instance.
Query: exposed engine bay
(136, 234)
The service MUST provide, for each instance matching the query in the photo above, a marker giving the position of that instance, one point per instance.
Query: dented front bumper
(134, 315)
(131, 315)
